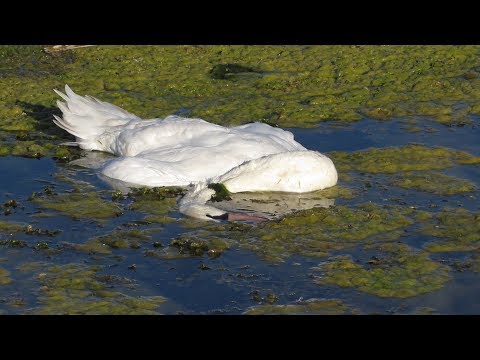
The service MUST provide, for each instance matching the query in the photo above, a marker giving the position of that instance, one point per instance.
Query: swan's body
(178, 151)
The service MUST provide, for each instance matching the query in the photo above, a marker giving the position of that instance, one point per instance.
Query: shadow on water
(44, 116)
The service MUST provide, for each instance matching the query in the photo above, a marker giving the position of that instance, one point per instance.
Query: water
(239, 278)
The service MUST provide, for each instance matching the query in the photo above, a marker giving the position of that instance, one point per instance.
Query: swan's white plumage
(177, 151)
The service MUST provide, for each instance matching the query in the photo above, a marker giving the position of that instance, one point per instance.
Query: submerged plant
(312, 232)
(77, 289)
(400, 273)
(459, 227)
(398, 159)
(304, 307)
(85, 205)
(434, 182)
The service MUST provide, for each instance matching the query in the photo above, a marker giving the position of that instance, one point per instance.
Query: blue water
(227, 286)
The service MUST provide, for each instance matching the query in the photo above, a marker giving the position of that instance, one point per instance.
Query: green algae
(459, 227)
(10, 227)
(292, 86)
(404, 158)
(77, 289)
(401, 273)
(312, 232)
(157, 202)
(424, 310)
(434, 182)
(159, 219)
(117, 239)
(422, 216)
(4, 277)
(334, 192)
(472, 263)
(221, 192)
(191, 245)
(76, 184)
(85, 205)
(13, 243)
(228, 71)
(304, 307)
(38, 149)
(32, 266)
(156, 193)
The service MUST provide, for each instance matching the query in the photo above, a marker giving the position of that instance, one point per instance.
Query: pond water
(399, 234)
(53, 273)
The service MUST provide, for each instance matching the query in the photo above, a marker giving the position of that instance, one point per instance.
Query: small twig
(57, 48)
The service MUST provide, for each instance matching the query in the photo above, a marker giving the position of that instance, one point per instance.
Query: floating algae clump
(189, 245)
(77, 289)
(305, 307)
(221, 192)
(434, 182)
(7, 227)
(460, 227)
(38, 149)
(4, 277)
(401, 273)
(404, 158)
(156, 202)
(117, 239)
(472, 264)
(313, 232)
(85, 205)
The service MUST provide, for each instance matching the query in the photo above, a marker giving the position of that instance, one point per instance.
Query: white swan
(177, 151)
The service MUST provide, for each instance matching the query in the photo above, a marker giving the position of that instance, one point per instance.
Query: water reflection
(274, 205)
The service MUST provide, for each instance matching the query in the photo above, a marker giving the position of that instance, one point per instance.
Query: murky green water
(401, 235)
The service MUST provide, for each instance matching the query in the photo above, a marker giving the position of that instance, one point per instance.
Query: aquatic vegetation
(187, 246)
(423, 310)
(11, 203)
(117, 239)
(228, 71)
(276, 84)
(459, 227)
(312, 232)
(157, 201)
(472, 263)
(85, 205)
(434, 182)
(221, 192)
(4, 277)
(404, 158)
(304, 307)
(401, 273)
(32, 266)
(159, 219)
(7, 227)
(76, 184)
(13, 243)
(38, 149)
(156, 193)
(117, 195)
(334, 192)
(78, 289)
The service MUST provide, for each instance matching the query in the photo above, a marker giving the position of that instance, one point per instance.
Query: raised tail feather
(87, 118)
